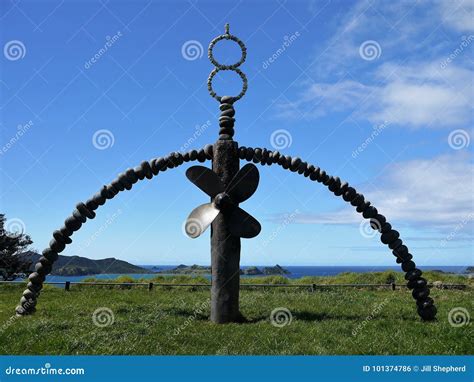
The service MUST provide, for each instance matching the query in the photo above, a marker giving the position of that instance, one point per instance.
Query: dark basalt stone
(72, 223)
(208, 150)
(302, 167)
(35, 286)
(295, 164)
(26, 302)
(140, 174)
(390, 236)
(29, 294)
(242, 152)
(370, 212)
(386, 227)
(79, 216)
(186, 158)
(131, 175)
(309, 170)
(275, 156)
(413, 274)
(363, 206)
(349, 194)
(335, 184)
(286, 162)
(327, 180)
(192, 155)
(36, 278)
(249, 154)
(408, 266)
(257, 155)
(61, 238)
(43, 269)
(420, 294)
(404, 258)
(82, 208)
(342, 189)
(358, 200)
(111, 191)
(92, 204)
(417, 283)
(395, 244)
(428, 313)
(424, 303)
(117, 185)
(145, 168)
(381, 219)
(401, 251)
(50, 255)
(99, 199)
(155, 169)
(56, 246)
(201, 156)
(375, 225)
(324, 177)
(65, 231)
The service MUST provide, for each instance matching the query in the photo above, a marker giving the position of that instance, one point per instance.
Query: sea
(295, 271)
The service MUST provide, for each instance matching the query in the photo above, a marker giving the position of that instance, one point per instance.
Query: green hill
(80, 266)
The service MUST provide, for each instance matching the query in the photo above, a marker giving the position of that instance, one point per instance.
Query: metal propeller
(224, 200)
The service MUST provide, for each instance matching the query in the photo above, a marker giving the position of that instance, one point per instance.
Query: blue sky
(377, 93)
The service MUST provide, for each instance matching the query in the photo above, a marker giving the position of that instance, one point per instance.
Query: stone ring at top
(234, 67)
(226, 36)
(234, 99)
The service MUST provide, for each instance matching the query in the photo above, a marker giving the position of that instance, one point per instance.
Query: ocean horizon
(296, 271)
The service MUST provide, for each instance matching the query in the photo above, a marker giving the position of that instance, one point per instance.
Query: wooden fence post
(150, 286)
(67, 285)
(393, 286)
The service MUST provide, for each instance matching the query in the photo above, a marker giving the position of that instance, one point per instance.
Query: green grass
(175, 321)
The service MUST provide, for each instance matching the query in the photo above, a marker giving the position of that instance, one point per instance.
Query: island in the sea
(82, 266)
(249, 271)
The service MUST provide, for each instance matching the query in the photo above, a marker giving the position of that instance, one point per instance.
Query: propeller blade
(206, 180)
(244, 183)
(199, 219)
(242, 224)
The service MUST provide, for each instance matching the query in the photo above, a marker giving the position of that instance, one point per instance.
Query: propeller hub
(223, 201)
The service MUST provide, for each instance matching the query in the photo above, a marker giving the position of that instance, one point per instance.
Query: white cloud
(457, 14)
(428, 192)
(412, 95)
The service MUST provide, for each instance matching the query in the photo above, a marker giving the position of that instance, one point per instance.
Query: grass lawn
(175, 321)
